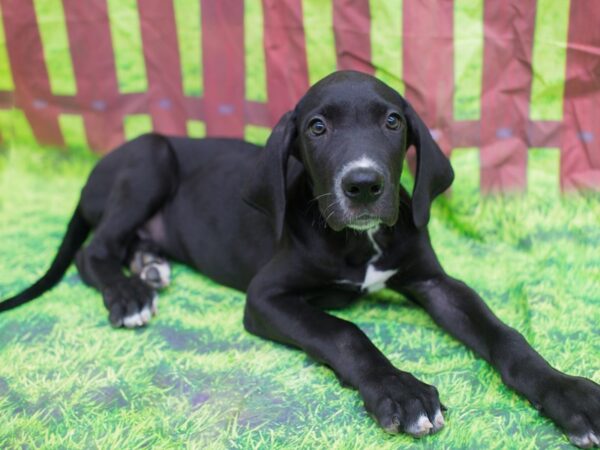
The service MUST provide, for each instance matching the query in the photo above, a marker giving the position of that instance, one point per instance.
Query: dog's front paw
(131, 303)
(573, 403)
(401, 403)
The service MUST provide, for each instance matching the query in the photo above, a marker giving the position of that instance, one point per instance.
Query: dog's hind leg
(146, 178)
(144, 260)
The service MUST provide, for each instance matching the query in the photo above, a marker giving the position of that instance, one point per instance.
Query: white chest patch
(374, 279)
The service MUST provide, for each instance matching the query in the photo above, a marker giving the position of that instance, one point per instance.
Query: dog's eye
(393, 121)
(317, 127)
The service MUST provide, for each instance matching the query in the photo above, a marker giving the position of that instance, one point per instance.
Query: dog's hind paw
(157, 274)
(139, 319)
(131, 303)
(154, 270)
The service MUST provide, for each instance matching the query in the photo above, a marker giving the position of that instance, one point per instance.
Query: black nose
(363, 185)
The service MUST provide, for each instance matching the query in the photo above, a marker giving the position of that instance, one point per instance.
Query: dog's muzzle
(361, 197)
(362, 187)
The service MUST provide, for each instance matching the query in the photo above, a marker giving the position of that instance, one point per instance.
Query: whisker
(320, 196)
(330, 206)
(328, 216)
(309, 203)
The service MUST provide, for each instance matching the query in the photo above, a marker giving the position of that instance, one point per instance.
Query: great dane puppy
(320, 220)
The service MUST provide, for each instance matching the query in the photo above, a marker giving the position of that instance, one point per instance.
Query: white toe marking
(165, 273)
(142, 317)
(577, 440)
(586, 440)
(143, 261)
(135, 320)
(145, 314)
(420, 427)
(154, 307)
(438, 420)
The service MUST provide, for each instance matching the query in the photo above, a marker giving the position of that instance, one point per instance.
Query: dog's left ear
(266, 188)
(434, 173)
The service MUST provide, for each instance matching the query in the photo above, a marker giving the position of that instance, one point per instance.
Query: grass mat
(195, 379)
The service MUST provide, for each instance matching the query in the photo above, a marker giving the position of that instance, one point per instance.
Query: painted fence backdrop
(503, 76)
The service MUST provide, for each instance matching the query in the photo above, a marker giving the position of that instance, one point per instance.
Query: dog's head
(351, 132)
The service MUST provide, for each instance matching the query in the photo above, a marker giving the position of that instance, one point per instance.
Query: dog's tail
(76, 234)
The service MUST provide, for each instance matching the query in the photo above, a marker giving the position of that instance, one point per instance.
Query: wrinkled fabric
(295, 42)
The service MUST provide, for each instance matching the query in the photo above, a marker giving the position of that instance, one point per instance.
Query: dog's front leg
(573, 403)
(276, 309)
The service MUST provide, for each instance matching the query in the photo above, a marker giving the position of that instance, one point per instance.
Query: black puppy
(320, 221)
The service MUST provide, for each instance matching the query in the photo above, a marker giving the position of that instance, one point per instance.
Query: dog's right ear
(266, 187)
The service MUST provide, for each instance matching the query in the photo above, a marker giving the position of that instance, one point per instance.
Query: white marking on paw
(585, 441)
(132, 321)
(145, 314)
(143, 317)
(143, 262)
(154, 307)
(164, 274)
(421, 427)
(438, 420)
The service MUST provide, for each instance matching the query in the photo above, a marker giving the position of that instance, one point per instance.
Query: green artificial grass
(195, 379)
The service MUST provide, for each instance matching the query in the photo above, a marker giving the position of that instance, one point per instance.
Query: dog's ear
(266, 187)
(434, 173)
